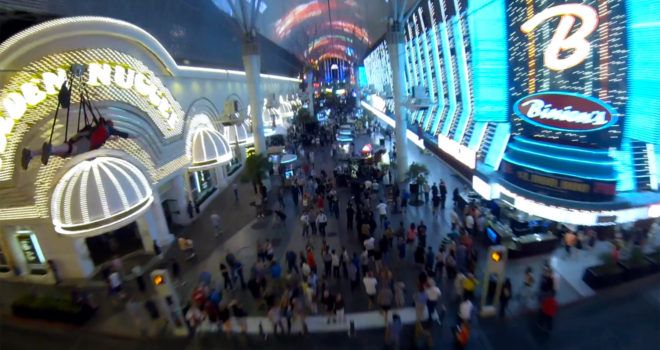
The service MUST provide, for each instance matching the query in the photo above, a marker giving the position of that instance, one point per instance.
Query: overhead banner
(568, 71)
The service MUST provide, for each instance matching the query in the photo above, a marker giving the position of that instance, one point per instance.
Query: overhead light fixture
(334, 66)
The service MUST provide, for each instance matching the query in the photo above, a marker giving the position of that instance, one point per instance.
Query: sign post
(172, 307)
(493, 280)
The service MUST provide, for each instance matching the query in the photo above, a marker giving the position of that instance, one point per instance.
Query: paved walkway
(242, 231)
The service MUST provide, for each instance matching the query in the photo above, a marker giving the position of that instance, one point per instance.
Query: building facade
(76, 213)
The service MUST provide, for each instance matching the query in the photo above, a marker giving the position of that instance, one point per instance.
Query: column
(252, 64)
(310, 90)
(397, 60)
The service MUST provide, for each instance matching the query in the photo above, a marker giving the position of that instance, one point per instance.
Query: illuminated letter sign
(565, 112)
(563, 42)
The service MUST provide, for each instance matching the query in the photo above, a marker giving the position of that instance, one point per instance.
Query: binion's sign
(562, 111)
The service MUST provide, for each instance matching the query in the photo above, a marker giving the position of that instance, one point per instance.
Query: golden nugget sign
(31, 94)
(35, 91)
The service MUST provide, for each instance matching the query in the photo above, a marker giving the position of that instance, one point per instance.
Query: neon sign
(565, 112)
(37, 90)
(563, 41)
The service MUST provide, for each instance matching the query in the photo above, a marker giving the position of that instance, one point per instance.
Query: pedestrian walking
(393, 332)
(291, 258)
(461, 335)
(234, 188)
(401, 246)
(547, 313)
(215, 223)
(304, 220)
(224, 271)
(427, 192)
(322, 222)
(350, 212)
(385, 298)
(370, 284)
(399, 294)
(443, 194)
(436, 205)
(336, 263)
(382, 211)
(505, 296)
(339, 308)
(433, 294)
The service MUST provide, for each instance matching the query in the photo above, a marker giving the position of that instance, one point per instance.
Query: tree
(256, 167)
(417, 173)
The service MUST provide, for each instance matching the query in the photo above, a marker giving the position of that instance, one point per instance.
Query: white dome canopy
(209, 149)
(239, 133)
(98, 195)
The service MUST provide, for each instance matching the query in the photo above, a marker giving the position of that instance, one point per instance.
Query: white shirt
(374, 186)
(369, 243)
(304, 219)
(469, 221)
(433, 293)
(114, 279)
(382, 208)
(465, 310)
(321, 218)
(215, 220)
(367, 184)
(370, 285)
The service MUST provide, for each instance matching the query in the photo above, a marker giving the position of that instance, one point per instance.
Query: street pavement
(593, 323)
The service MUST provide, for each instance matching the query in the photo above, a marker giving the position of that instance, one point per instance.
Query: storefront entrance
(113, 244)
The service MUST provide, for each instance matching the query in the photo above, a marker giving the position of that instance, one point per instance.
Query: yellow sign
(496, 256)
(158, 280)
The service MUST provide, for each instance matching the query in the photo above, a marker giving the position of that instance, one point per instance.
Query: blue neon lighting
(556, 172)
(427, 59)
(488, 37)
(463, 77)
(451, 86)
(610, 109)
(643, 108)
(560, 147)
(438, 76)
(513, 146)
(498, 145)
(427, 117)
(411, 54)
(419, 61)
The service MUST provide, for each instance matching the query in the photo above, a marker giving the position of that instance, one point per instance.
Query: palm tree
(416, 174)
(256, 167)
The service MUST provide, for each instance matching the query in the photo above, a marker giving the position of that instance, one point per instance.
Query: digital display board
(575, 52)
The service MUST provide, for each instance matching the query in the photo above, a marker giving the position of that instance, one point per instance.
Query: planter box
(51, 309)
(637, 269)
(602, 276)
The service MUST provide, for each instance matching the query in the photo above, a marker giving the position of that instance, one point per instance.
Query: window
(201, 185)
(29, 245)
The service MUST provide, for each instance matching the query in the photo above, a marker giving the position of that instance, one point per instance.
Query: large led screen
(568, 71)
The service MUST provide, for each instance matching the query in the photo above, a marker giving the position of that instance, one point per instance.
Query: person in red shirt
(310, 259)
(89, 138)
(320, 203)
(548, 312)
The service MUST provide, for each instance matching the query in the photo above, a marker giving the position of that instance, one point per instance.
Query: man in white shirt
(304, 219)
(370, 284)
(321, 222)
(433, 294)
(369, 245)
(215, 222)
(465, 310)
(382, 211)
